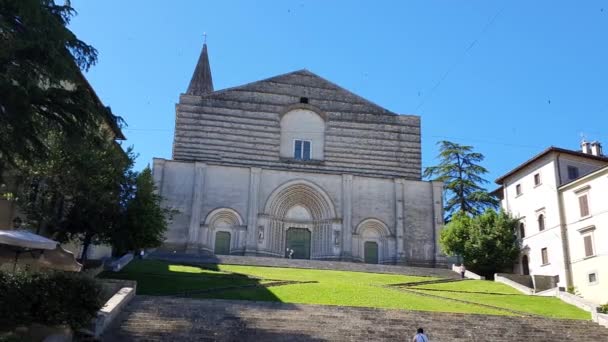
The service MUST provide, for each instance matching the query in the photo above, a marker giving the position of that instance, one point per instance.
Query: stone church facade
(297, 163)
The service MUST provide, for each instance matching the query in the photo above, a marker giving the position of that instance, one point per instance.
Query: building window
(544, 256)
(303, 99)
(583, 205)
(522, 230)
(518, 189)
(592, 278)
(537, 179)
(301, 150)
(572, 172)
(588, 240)
(541, 222)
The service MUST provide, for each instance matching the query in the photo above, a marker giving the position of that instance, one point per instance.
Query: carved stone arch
(373, 224)
(224, 214)
(300, 193)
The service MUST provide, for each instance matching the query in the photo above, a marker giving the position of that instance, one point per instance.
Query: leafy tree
(77, 191)
(145, 221)
(486, 242)
(461, 174)
(42, 89)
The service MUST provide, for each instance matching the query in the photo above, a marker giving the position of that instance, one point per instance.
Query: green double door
(298, 239)
(222, 243)
(371, 252)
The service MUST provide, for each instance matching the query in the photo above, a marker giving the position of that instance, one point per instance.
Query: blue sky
(508, 77)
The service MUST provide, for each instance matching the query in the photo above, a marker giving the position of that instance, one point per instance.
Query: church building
(295, 164)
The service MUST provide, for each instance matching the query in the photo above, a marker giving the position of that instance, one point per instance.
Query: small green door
(222, 243)
(298, 239)
(371, 252)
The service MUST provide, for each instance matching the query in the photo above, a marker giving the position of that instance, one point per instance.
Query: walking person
(420, 336)
(462, 270)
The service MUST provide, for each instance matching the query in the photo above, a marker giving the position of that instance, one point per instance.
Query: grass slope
(336, 288)
(502, 296)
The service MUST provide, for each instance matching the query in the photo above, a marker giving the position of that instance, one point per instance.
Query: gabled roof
(550, 149)
(288, 78)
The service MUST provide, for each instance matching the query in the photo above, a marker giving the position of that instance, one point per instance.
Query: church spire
(201, 82)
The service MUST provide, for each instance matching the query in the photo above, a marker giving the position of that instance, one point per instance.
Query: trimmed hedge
(55, 298)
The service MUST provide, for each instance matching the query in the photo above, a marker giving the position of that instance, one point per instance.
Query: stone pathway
(180, 319)
(308, 264)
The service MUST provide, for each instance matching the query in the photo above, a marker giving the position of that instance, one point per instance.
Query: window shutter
(588, 246)
(297, 153)
(584, 205)
(306, 154)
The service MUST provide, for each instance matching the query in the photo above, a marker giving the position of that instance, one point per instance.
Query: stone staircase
(180, 319)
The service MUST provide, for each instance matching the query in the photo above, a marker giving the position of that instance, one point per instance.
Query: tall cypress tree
(462, 175)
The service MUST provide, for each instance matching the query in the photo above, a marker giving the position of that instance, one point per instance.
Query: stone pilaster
(158, 169)
(197, 202)
(437, 188)
(347, 217)
(399, 226)
(252, 211)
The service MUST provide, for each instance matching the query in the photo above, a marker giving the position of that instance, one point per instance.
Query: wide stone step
(180, 319)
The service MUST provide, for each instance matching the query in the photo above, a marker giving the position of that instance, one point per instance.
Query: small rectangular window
(537, 179)
(306, 151)
(297, 150)
(518, 189)
(583, 205)
(592, 278)
(572, 172)
(302, 150)
(588, 239)
(544, 256)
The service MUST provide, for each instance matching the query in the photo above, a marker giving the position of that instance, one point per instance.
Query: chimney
(596, 148)
(585, 147)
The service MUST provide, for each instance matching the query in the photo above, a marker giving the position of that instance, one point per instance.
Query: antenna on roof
(204, 37)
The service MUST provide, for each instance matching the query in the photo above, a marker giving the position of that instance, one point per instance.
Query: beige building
(296, 163)
(560, 198)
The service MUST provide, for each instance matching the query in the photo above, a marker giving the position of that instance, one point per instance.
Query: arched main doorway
(371, 252)
(300, 216)
(298, 240)
(222, 243)
(524, 265)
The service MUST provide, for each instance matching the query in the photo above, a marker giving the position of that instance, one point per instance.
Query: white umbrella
(23, 247)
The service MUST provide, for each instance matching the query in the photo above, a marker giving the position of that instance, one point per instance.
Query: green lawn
(335, 288)
(502, 296)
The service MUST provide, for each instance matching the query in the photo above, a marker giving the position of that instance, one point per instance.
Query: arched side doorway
(298, 240)
(223, 232)
(370, 252)
(525, 267)
(222, 243)
(373, 243)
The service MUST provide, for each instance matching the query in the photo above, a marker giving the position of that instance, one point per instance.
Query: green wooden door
(222, 243)
(371, 252)
(298, 239)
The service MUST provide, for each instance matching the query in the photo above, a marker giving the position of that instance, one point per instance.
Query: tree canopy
(145, 221)
(42, 89)
(461, 173)
(487, 242)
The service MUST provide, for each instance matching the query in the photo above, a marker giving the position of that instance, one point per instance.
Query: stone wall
(241, 126)
(256, 207)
